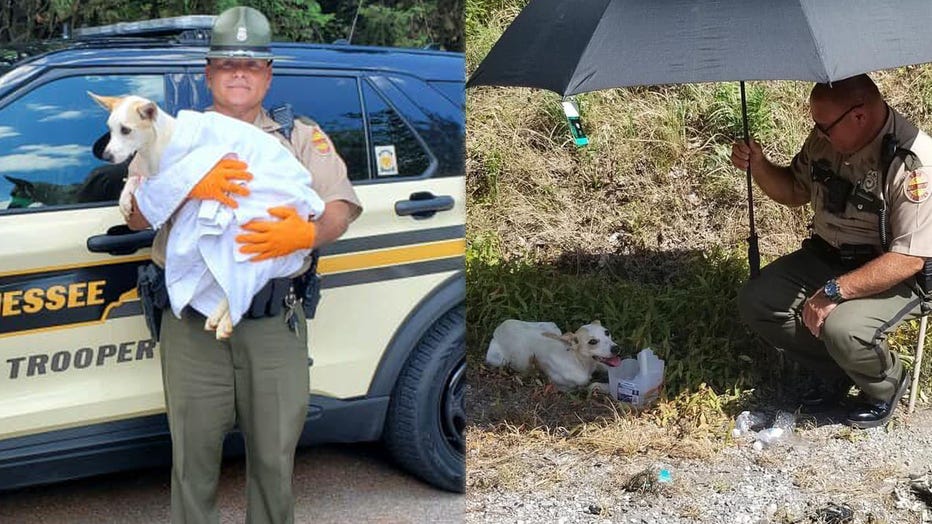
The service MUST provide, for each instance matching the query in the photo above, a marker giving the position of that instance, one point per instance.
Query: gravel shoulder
(552, 478)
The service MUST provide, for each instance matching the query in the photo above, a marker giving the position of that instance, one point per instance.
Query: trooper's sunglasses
(253, 66)
(828, 129)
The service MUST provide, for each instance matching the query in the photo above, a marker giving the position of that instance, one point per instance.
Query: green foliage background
(403, 23)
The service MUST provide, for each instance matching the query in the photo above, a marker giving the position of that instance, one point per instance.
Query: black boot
(825, 395)
(875, 412)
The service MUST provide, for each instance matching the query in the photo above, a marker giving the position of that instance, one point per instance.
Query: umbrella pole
(753, 249)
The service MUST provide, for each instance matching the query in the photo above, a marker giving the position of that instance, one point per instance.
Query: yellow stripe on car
(391, 256)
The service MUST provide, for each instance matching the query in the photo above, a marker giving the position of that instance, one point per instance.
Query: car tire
(425, 426)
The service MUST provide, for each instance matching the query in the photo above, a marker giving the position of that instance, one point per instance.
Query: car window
(454, 92)
(46, 138)
(396, 150)
(333, 102)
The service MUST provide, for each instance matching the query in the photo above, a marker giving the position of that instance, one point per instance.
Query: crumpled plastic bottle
(770, 435)
(783, 424)
(746, 421)
(785, 421)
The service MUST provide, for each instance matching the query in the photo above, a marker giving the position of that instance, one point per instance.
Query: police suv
(80, 384)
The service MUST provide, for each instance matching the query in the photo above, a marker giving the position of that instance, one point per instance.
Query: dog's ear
(147, 110)
(570, 340)
(547, 334)
(106, 102)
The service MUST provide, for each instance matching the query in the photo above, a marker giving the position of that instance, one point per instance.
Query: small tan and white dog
(137, 125)
(568, 359)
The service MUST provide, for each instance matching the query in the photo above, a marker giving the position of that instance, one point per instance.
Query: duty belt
(850, 256)
(268, 302)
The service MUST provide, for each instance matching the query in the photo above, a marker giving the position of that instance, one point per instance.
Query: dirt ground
(538, 456)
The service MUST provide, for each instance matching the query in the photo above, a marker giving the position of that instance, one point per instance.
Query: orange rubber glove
(218, 184)
(274, 239)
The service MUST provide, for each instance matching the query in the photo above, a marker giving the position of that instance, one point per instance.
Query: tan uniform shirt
(313, 148)
(909, 208)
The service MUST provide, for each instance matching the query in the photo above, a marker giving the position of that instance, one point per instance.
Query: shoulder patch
(916, 188)
(320, 141)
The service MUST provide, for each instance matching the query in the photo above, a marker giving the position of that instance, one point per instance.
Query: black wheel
(426, 423)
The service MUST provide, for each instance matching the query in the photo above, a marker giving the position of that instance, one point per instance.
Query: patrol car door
(74, 349)
(406, 166)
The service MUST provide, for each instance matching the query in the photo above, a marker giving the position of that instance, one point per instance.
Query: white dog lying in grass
(569, 359)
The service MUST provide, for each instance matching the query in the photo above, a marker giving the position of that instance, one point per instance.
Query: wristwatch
(833, 291)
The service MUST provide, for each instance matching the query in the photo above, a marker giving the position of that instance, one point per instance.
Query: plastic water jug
(637, 381)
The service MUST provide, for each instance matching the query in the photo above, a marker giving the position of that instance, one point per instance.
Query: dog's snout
(616, 350)
(107, 155)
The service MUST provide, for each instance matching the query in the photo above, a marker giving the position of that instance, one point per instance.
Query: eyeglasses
(828, 129)
(252, 66)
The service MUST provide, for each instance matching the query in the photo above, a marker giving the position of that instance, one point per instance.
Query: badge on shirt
(320, 141)
(916, 187)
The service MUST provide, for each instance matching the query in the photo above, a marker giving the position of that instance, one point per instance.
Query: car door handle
(423, 204)
(120, 240)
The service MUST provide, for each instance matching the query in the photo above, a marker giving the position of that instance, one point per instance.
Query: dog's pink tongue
(612, 362)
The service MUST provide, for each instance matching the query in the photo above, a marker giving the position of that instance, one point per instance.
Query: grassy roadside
(644, 229)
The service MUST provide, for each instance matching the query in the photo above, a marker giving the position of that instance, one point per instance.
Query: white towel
(202, 259)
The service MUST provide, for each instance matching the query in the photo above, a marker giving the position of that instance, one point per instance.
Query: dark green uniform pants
(259, 380)
(853, 338)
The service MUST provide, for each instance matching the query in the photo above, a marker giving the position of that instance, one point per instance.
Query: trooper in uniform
(258, 378)
(831, 304)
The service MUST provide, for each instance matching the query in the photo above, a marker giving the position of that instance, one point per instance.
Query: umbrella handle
(753, 249)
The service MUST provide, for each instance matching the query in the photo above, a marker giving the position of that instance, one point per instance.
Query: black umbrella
(576, 46)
